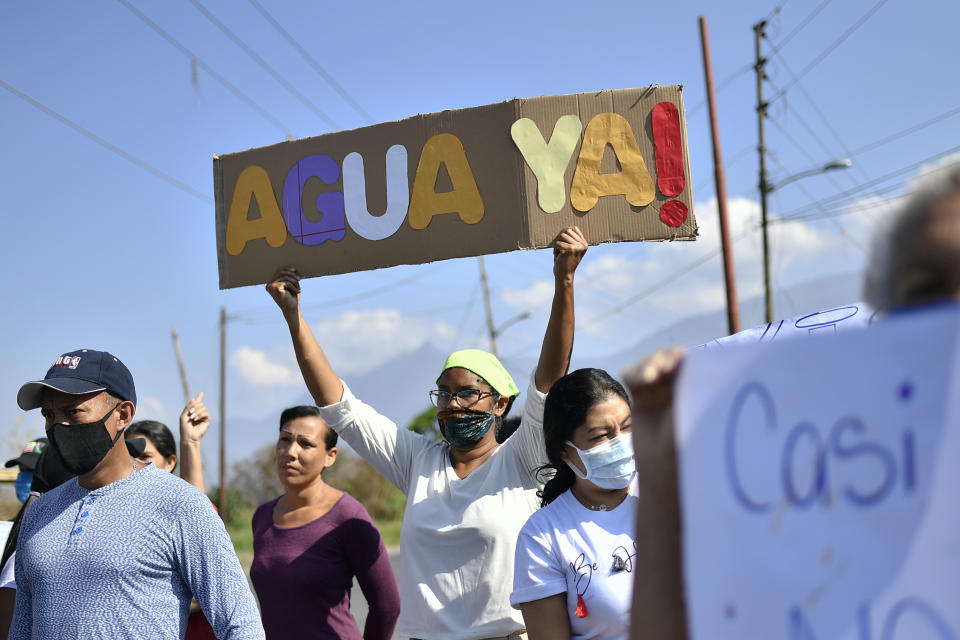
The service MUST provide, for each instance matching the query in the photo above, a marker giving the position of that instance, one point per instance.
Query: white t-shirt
(8, 580)
(567, 548)
(458, 537)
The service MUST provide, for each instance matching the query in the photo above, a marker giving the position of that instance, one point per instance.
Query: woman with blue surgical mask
(573, 575)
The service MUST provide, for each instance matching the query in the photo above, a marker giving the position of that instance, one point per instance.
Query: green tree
(425, 423)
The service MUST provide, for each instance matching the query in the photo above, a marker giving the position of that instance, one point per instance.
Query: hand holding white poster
(819, 485)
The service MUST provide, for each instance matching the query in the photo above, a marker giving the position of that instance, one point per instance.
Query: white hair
(900, 243)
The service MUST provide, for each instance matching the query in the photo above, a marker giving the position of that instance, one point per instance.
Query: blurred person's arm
(659, 608)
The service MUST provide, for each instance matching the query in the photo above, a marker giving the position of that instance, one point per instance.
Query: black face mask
(82, 446)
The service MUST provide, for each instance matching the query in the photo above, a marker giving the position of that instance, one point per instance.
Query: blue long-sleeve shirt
(123, 561)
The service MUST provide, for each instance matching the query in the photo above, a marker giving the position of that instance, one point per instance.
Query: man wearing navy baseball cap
(120, 550)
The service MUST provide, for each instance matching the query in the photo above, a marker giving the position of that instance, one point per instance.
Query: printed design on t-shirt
(623, 559)
(583, 571)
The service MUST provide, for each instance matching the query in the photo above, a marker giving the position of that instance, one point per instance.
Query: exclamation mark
(668, 151)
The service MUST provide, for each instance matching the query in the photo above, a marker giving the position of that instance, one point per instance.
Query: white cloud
(536, 297)
(150, 407)
(256, 368)
(357, 341)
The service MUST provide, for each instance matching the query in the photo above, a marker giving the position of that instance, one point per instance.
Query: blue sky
(99, 252)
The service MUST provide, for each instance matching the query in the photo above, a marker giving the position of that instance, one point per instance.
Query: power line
(251, 316)
(905, 132)
(826, 122)
(316, 65)
(776, 10)
(834, 199)
(803, 23)
(720, 87)
(737, 157)
(826, 52)
(203, 65)
(660, 285)
(264, 65)
(112, 147)
(840, 229)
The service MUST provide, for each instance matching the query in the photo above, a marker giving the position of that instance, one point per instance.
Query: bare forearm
(191, 462)
(558, 339)
(659, 604)
(658, 598)
(321, 380)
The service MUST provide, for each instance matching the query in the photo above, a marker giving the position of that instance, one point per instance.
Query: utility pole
(486, 303)
(180, 366)
(733, 306)
(758, 30)
(222, 498)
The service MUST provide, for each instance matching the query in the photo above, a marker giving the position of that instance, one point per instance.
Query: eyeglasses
(465, 398)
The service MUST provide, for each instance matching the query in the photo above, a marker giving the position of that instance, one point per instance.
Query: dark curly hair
(566, 407)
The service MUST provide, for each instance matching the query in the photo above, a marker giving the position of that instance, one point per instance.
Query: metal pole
(222, 498)
(486, 304)
(183, 370)
(733, 306)
(762, 150)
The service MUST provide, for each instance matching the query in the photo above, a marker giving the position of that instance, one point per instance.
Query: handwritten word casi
(804, 446)
(420, 203)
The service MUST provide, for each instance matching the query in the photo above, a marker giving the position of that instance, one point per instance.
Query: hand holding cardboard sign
(568, 249)
(285, 289)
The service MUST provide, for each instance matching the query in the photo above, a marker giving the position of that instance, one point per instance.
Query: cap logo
(33, 447)
(66, 362)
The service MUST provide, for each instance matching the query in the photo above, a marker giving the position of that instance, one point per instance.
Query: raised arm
(322, 382)
(659, 608)
(194, 422)
(568, 249)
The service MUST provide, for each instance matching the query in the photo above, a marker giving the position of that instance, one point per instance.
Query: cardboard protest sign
(458, 183)
(818, 481)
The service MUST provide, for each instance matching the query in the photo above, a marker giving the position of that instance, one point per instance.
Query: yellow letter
(548, 161)
(254, 182)
(463, 200)
(633, 180)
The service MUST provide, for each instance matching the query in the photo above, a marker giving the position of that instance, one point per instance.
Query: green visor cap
(487, 366)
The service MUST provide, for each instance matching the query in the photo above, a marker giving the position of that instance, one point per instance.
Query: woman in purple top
(309, 543)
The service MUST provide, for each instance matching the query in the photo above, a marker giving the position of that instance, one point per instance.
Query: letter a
(548, 161)
(463, 200)
(633, 180)
(254, 183)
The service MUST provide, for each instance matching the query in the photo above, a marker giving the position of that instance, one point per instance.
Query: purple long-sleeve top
(303, 575)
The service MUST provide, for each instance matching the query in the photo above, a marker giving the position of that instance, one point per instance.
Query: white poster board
(820, 481)
(856, 315)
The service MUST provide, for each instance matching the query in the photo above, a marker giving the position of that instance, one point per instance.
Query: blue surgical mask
(609, 465)
(22, 485)
(465, 430)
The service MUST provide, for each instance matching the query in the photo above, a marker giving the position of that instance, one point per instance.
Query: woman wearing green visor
(468, 497)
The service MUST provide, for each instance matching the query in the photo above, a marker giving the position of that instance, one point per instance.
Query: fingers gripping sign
(569, 247)
(285, 289)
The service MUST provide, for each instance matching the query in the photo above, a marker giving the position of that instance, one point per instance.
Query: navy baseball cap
(78, 372)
